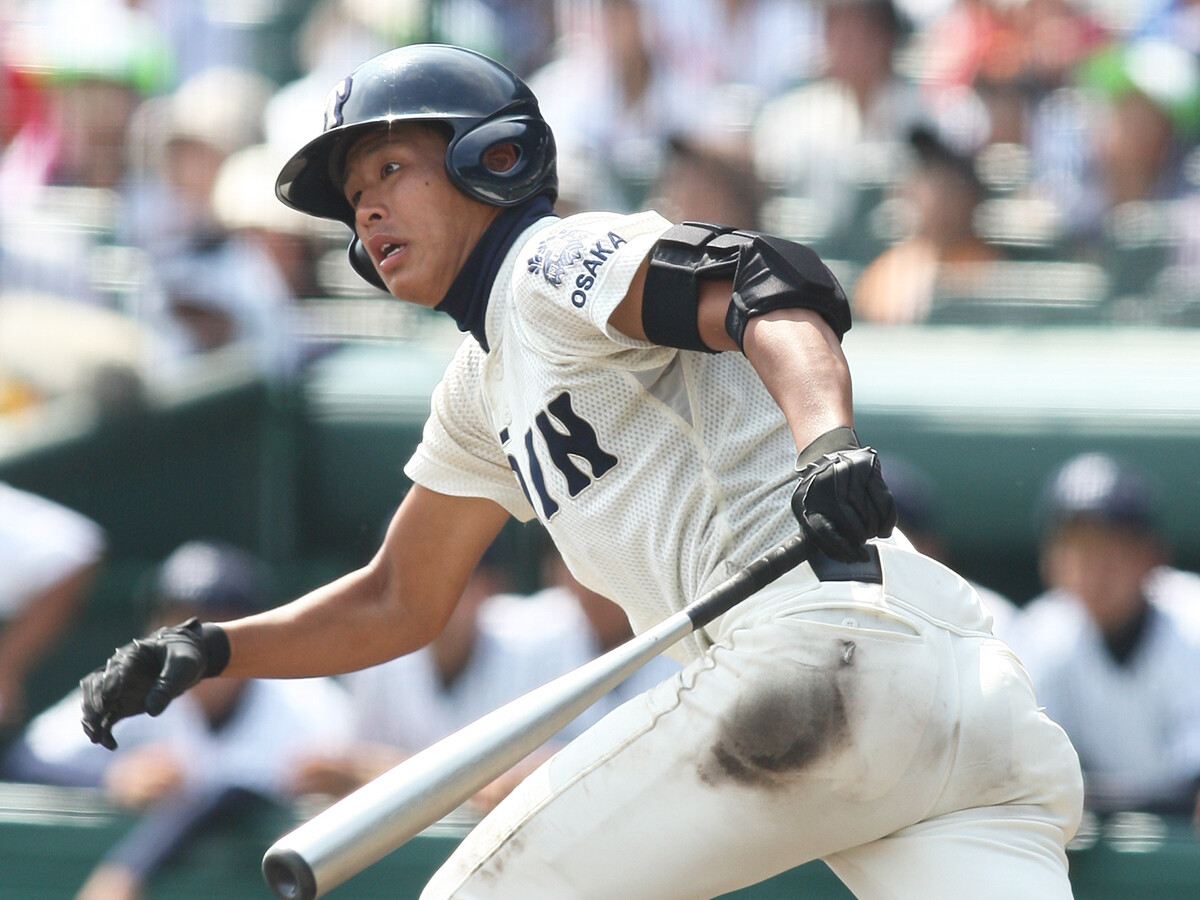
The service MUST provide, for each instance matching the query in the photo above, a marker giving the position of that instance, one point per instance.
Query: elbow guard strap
(768, 273)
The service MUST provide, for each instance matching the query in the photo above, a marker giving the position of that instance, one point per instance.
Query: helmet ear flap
(532, 173)
(360, 261)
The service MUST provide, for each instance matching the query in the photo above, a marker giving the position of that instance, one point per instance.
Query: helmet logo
(334, 103)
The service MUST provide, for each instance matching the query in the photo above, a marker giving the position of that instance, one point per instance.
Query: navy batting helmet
(482, 104)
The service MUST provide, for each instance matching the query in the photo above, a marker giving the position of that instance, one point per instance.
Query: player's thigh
(766, 755)
(990, 853)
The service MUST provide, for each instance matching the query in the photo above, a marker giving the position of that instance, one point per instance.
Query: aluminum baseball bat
(380, 816)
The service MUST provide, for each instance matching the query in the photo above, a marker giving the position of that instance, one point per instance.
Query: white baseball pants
(880, 728)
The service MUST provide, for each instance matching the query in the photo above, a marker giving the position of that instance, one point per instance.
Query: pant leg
(1012, 800)
(993, 853)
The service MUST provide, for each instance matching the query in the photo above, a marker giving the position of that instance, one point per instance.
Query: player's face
(418, 228)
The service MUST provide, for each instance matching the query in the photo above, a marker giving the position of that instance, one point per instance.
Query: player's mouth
(387, 251)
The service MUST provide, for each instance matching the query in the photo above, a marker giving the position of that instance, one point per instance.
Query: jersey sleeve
(458, 454)
(572, 275)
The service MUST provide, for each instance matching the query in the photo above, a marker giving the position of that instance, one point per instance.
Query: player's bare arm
(395, 604)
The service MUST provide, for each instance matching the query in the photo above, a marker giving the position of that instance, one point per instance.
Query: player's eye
(388, 168)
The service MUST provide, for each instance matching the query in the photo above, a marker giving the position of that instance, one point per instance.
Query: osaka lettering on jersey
(559, 253)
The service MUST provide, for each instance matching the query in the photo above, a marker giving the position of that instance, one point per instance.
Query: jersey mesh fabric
(693, 470)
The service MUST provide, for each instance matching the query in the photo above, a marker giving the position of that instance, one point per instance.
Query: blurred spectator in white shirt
(49, 555)
(496, 647)
(610, 106)
(834, 143)
(224, 739)
(1112, 645)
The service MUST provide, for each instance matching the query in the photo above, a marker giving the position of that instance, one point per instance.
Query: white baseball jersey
(879, 726)
(656, 472)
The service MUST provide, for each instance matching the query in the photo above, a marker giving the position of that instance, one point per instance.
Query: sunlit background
(1008, 190)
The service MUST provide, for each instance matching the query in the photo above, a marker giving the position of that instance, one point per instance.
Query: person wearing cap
(221, 746)
(1110, 646)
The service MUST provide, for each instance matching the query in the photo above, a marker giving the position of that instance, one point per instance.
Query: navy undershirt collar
(466, 301)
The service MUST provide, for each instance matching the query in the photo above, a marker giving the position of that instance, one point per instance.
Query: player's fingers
(179, 672)
(829, 538)
(121, 665)
(96, 722)
(884, 507)
(867, 495)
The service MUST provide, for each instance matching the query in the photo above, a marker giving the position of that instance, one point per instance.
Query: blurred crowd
(989, 161)
(1023, 161)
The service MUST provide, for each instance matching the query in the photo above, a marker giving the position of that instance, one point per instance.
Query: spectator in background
(943, 256)
(519, 33)
(406, 704)
(26, 141)
(832, 143)
(728, 57)
(92, 85)
(289, 243)
(224, 743)
(212, 286)
(49, 556)
(1112, 645)
(610, 145)
(1146, 112)
(334, 37)
(65, 168)
(702, 183)
(181, 140)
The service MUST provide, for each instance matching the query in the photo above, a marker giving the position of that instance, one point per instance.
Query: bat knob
(289, 875)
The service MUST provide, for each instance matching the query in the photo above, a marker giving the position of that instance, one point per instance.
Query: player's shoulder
(585, 240)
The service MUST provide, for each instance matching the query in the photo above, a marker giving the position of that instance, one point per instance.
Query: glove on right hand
(148, 673)
(841, 500)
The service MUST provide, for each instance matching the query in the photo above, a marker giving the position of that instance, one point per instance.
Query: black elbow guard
(768, 273)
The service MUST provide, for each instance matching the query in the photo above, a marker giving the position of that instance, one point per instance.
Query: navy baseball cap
(211, 577)
(1097, 487)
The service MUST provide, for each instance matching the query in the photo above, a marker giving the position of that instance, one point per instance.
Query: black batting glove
(842, 500)
(148, 673)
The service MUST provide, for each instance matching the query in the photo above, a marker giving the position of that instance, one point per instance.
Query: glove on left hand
(842, 500)
(148, 673)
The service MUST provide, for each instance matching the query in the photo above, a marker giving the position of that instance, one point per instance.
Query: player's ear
(501, 158)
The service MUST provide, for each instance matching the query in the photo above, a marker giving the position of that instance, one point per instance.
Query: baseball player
(643, 390)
